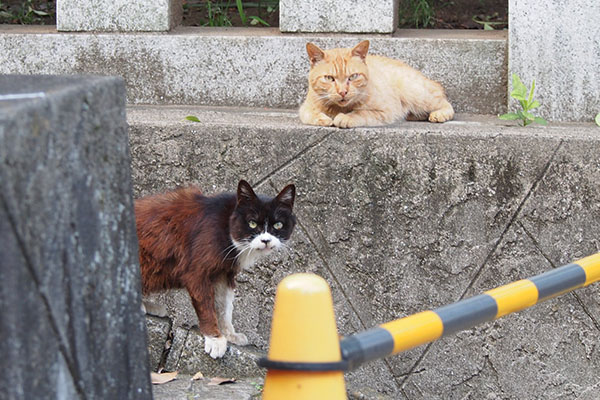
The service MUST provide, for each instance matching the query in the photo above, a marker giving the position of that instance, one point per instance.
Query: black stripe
(367, 346)
(559, 280)
(302, 366)
(467, 313)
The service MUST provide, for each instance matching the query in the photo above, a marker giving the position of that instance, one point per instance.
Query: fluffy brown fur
(188, 240)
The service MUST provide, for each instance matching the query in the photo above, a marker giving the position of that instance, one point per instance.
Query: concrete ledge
(252, 67)
(406, 218)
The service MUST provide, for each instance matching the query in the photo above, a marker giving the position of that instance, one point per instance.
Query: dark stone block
(71, 324)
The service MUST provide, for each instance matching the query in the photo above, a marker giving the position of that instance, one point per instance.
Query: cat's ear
(315, 54)
(245, 192)
(287, 196)
(361, 49)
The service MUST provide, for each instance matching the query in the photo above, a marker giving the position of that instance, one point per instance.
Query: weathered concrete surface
(187, 356)
(253, 67)
(118, 15)
(159, 340)
(184, 388)
(563, 57)
(406, 218)
(71, 324)
(373, 16)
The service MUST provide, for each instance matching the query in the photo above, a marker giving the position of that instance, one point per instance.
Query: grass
(417, 13)
(222, 13)
(27, 12)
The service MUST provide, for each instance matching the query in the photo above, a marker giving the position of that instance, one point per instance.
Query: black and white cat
(200, 243)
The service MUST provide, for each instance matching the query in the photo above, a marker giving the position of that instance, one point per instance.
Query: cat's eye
(278, 225)
(329, 78)
(252, 224)
(353, 77)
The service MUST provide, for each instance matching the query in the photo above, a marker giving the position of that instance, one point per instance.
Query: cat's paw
(237, 338)
(322, 120)
(215, 346)
(344, 121)
(441, 115)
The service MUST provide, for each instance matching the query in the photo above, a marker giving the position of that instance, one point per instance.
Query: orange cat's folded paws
(323, 120)
(344, 121)
(237, 338)
(441, 116)
(215, 346)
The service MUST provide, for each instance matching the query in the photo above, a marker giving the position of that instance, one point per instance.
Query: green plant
(28, 12)
(486, 21)
(597, 119)
(216, 15)
(192, 118)
(417, 13)
(254, 20)
(519, 93)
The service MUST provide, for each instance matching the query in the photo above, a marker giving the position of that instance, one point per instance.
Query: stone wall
(407, 218)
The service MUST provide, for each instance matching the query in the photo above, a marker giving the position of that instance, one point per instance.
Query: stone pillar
(71, 324)
(118, 15)
(557, 43)
(353, 16)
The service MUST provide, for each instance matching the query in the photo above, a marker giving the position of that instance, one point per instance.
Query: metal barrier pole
(405, 333)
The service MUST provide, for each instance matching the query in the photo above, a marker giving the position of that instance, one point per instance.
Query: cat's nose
(266, 241)
(343, 93)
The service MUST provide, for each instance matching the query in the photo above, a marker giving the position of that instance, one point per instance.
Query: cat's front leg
(312, 116)
(358, 118)
(215, 343)
(215, 346)
(224, 305)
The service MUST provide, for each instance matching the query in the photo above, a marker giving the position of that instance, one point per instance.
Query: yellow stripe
(514, 296)
(591, 266)
(414, 330)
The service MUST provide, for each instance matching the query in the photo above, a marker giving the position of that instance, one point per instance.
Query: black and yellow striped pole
(424, 327)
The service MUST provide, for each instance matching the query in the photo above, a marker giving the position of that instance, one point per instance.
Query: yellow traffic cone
(303, 336)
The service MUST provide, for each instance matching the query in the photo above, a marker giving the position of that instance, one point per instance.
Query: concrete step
(184, 388)
(253, 67)
(404, 218)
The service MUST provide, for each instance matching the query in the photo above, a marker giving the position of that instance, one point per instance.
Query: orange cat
(348, 88)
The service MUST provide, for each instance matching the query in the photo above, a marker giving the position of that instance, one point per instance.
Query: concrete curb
(257, 67)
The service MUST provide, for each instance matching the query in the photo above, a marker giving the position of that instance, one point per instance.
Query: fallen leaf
(198, 375)
(220, 381)
(159, 379)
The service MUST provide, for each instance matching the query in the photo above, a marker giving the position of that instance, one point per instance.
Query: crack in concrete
(62, 347)
(291, 160)
(554, 265)
(511, 222)
(345, 295)
(183, 344)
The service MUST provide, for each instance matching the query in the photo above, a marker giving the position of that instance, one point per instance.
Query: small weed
(487, 21)
(27, 13)
(254, 20)
(257, 386)
(418, 13)
(216, 15)
(519, 93)
(221, 13)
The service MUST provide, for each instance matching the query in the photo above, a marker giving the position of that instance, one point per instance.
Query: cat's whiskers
(229, 249)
